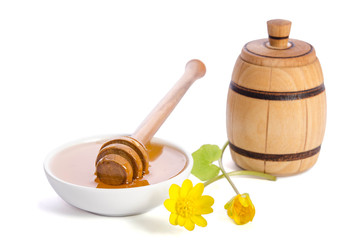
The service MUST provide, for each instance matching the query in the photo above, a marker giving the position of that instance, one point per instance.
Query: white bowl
(113, 202)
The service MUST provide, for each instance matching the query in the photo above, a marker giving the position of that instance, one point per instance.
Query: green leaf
(203, 159)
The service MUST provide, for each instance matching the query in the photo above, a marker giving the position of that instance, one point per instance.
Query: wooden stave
(286, 167)
(299, 54)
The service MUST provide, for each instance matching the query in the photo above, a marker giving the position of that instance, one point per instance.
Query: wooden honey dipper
(121, 160)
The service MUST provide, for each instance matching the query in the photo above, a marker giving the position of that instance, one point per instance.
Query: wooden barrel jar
(276, 107)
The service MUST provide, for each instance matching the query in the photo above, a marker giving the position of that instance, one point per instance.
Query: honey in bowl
(76, 164)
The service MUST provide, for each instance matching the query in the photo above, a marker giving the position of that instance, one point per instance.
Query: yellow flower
(187, 204)
(240, 209)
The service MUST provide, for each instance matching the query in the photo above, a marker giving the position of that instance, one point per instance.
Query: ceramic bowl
(113, 202)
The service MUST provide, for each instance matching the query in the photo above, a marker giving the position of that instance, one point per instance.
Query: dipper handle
(278, 30)
(194, 70)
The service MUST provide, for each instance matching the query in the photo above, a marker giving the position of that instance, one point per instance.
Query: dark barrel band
(277, 96)
(278, 38)
(275, 157)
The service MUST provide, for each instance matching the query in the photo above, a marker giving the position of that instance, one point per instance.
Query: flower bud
(240, 209)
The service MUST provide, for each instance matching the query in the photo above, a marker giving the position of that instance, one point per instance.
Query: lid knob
(278, 30)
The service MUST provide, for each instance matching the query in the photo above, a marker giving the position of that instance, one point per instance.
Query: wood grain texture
(298, 54)
(122, 160)
(247, 122)
(278, 30)
(276, 108)
(194, 70)
(276, 127)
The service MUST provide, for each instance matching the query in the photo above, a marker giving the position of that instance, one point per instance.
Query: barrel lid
(278, 50)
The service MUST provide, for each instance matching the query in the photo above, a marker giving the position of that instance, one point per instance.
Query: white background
(75, 69)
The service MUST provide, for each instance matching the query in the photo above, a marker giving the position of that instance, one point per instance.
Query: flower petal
(173, 218)
(187, 204)
(203, 205)
(185, 188)
(170, 205)
(206, 210)
(241, 209)
(189, 225)
(228, 204)
(174, 191)
(238, 220)
(199, 220)
(197, 191)
(230, 212)
(181, 221)
(205, 201)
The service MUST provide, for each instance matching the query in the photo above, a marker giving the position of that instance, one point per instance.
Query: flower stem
(242, 172)
(223, 171)
(234, 173)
